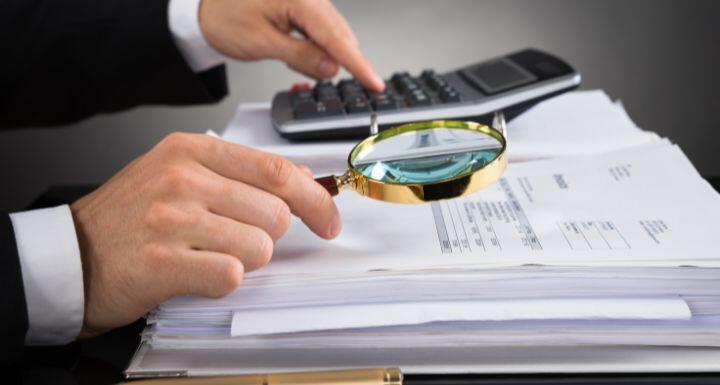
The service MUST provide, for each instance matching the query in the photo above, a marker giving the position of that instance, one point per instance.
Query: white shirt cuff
(184, 21)
(52, 274)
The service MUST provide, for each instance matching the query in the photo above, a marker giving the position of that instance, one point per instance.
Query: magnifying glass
(425, 161)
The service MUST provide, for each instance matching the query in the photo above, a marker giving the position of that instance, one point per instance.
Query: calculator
(511, 83)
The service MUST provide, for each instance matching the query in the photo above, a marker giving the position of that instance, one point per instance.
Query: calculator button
(418, 98)
(419, 102)
(436, 83)
(302, 96)
(359, 98)
(349, 86)
(384, 104)
(406, 85)
(399, 76)
(329, 97)
(346, 82)
(428, 73)
(325, 94)
(309, 110)
(348, 95)
(352, 93)
(323, 84)
(358, 105)
(449, 95)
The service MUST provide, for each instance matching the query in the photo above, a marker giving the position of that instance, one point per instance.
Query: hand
(260, 29)
(188, 218)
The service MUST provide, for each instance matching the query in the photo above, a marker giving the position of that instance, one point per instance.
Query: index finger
(329, 30)
(276, 175)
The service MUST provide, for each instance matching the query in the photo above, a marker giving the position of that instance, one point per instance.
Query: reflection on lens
(427, 156)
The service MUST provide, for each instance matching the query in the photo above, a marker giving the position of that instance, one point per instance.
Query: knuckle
(157, 256)
(177, 140)
(278, 170)
(230, 279)
(281, 221)
(160, 216)
(265, 246)
(183, 143)
(177, 179)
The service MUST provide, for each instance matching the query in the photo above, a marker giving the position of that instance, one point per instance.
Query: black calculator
(511, 83)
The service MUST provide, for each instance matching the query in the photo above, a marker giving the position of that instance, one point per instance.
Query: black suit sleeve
(14, 322)
(67, 60)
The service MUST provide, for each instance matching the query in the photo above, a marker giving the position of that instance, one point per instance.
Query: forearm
(69, 60)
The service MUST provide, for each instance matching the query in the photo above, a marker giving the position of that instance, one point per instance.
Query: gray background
(660, 57)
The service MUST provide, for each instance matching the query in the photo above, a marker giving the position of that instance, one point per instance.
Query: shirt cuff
(52, 274)
(183, 18)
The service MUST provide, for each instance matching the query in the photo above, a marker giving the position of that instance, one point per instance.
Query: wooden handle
(329, 183)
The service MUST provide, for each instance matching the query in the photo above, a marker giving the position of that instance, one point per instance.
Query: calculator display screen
(498, 75)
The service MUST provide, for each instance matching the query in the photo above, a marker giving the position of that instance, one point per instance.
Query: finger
(305, 169)
(250, 205)
(205, 273)
(329, 30)
(278, 176)
(250, 244)
(302, 55)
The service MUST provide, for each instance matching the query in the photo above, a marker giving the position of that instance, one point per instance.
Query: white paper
(621, 208)
(483, 281)
(297, 319)
(576, 123)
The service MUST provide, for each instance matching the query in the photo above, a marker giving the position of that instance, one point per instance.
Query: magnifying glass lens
(427, 156)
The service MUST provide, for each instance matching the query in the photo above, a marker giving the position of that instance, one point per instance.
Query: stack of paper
(600, 251)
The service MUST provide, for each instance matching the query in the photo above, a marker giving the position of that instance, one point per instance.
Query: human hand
(188, 218)
(260, 29)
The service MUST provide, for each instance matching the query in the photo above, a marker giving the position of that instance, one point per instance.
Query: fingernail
(327, 68)
(335, 226)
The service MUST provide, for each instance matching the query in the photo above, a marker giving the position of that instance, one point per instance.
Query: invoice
(645, 204)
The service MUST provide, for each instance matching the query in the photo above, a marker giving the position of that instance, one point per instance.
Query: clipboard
(430, 361)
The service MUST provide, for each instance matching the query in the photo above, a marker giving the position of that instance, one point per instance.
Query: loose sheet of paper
(298, 319)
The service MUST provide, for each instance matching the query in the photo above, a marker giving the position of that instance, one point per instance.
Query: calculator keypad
(348, 97)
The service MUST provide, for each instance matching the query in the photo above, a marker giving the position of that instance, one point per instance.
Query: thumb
(303, 56)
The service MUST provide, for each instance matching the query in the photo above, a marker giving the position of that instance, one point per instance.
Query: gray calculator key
(309, 110)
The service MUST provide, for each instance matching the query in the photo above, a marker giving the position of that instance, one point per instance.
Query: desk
(101, 360)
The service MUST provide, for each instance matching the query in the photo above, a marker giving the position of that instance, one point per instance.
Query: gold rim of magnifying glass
(459, 185)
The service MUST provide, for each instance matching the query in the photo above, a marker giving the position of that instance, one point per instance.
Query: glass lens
(427, 156)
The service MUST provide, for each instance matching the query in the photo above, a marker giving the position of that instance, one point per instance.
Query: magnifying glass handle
(329, 183)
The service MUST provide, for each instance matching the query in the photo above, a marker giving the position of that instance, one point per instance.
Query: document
(641, 206)
(458, 260)
(596, 251)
